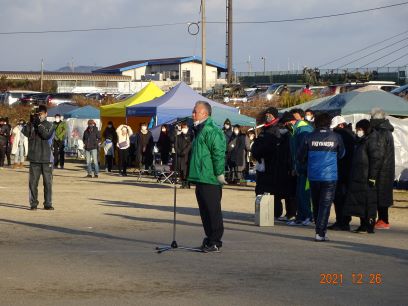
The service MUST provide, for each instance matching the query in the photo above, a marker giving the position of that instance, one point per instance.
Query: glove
(371, 182)
(221, 179)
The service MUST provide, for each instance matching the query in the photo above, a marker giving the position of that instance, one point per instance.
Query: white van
(12, 96)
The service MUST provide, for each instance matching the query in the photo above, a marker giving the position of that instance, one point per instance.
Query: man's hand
(371, 182)
(221, 179)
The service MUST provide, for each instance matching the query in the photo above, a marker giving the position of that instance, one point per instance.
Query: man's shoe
(306, 222)
(360, 230)
(295, 223)
(319, 238)
(33, 208)
(48, 208)
(381, 225)
(96, 176)
(211, 249)
(89, 176)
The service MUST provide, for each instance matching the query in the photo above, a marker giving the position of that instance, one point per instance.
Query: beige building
(167, 72)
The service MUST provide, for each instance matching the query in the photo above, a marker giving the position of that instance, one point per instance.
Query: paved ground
(97, 248)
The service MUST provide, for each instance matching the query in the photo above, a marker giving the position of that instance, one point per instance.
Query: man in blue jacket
(321, 150)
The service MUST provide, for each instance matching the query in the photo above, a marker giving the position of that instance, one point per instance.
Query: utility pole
(249, 64)
(264, 65)
(203, 50)
(229, 42)
(42, 75)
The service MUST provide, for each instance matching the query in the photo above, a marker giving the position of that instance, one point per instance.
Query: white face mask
(226, 127)
(164, 130)
(251, 137)
(196, 122)
(184, 131)
(57, 119)
(144, 128)
(360, 133)
(308, 118)
(236, 132)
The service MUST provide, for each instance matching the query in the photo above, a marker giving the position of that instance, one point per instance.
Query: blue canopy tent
(86, 112)
(61, 109)
(176, 103)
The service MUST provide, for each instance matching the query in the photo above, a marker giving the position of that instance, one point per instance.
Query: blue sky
(309, 43)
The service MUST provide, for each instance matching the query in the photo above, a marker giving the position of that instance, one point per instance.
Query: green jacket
(60, 130)
(207, 154)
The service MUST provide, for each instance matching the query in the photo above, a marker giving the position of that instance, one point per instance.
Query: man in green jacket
(59, 141)
(207, 166)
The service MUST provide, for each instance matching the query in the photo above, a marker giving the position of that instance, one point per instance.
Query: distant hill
(80, 69)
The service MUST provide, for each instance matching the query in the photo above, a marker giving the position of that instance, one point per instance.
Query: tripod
(174, 245)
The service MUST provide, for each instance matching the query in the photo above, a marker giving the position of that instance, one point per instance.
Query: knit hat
(273, 111)
(336, 121)
(227, 121)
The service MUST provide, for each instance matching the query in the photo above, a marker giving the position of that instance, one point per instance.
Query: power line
(371, 53)
(362, 49)
(377, 59)
(212, 22)
(396, 60)
(316, 17)
(96, 29)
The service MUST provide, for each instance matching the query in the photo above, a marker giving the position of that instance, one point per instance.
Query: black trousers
(8, 153)
(383, 214)
(123, 160)
(339, 200)
(109, 162)
(209, 203)
(290, 206)
(36, 170)
(2, 154)
(59, 153)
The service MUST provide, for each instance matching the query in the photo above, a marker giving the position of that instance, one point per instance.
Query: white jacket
(124, 138)
(16, 139)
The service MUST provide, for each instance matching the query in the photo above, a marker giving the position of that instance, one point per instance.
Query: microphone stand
(174, 245)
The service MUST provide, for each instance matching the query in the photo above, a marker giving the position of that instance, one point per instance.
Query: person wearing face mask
(3, 141)
(299, 129)
(206, 171)
(124, 132)
(144, 147)
(237, 149)
(183, 149)
(361, 199)
(20, 145)
(309, 116)
(40, 134)
(91, 139)
(59, 141)
(264, 152)
(341, 128)
(8, 143)
(227, 129)
(110, 133)
(164, 145)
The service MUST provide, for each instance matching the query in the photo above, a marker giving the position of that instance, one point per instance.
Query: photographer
(40, 135)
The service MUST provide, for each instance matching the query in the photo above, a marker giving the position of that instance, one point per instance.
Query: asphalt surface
(98, 248)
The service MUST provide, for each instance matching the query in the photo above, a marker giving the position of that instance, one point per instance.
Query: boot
(15, 166)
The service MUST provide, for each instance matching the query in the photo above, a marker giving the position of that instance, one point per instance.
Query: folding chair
(164, 174)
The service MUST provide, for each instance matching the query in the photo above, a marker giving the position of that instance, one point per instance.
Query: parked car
(59, 98)
(401, 91)
(276, 90)
(41, 98)
(121, 97)
(12, 96)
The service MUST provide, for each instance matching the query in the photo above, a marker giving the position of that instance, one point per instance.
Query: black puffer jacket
(344, 164)
(237, 149)
(265, 147)
(361, 199)
(386, 178)
(39, 141)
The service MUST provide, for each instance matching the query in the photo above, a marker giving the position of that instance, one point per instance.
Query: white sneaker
(294, 223)
(320, 238)
(307, 222)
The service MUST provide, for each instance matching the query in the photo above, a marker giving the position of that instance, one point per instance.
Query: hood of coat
(381, 124)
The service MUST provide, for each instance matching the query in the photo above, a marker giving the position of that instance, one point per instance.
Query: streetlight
(264, 63)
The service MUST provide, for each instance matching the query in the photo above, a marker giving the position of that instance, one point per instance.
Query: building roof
(118, 68)
(63, 76)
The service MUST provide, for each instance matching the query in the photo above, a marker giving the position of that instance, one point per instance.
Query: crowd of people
(311, 162)
(307, 161)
